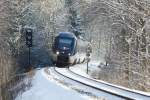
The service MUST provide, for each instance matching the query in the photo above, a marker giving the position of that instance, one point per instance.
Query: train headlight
(57, 52)
(69, 54)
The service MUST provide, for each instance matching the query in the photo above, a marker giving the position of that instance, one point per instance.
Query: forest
(119, 31)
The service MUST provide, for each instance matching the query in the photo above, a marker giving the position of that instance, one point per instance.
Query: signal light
(29, 37)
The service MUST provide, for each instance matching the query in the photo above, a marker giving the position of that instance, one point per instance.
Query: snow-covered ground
(45, 89)
(81, 69)
(88, 92)
(49, 85)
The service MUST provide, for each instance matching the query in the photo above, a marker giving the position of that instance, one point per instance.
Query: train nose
(63, 59)
(65, 51)
(65, 48)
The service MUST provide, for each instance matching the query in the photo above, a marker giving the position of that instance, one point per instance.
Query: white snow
(44, 89)
(88, 92)
(94, 65)
(106, 86)
(51, 86)
(82, 68)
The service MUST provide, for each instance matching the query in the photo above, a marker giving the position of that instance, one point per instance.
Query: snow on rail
(106, 86)
(86, 89)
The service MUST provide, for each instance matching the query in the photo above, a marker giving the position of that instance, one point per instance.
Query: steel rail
(123, 89)
(96, 88)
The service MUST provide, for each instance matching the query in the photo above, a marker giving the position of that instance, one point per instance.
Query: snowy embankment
(45, 89)
(86, 91)
(47, 85)
(81, 69)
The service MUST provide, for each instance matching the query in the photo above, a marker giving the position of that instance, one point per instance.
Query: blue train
(68, 49)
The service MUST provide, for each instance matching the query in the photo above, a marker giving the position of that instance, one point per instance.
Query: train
(69, 50)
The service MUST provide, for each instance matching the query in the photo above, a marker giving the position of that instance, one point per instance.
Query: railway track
(133, 95)
(83, 82)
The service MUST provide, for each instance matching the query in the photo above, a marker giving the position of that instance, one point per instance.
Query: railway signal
(29, 33)
(29, 37)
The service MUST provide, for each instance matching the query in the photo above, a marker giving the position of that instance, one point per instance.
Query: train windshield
(65, 43)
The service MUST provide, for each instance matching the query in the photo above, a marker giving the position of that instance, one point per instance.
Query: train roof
(66, 34)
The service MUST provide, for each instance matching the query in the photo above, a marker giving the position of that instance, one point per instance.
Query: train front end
(64, 48)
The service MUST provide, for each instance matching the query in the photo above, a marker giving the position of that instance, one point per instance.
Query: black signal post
(88, 51)
(88, 59)
(29, 42)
